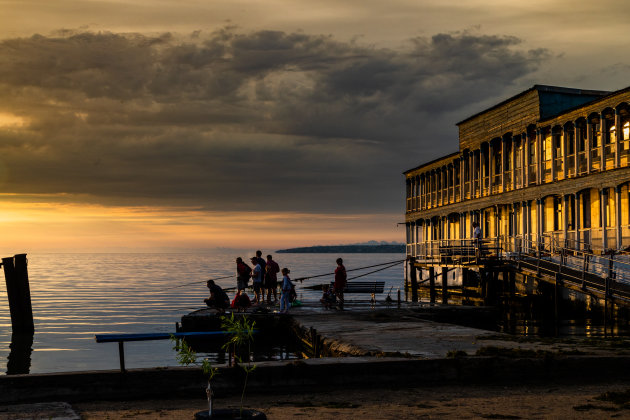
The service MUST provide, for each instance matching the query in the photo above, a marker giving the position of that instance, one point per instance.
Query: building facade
(549, 164)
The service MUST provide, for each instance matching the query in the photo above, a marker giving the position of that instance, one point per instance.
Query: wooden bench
(121, 338)
(364, 287)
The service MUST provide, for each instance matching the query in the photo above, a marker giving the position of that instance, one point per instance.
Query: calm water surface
(76, 296)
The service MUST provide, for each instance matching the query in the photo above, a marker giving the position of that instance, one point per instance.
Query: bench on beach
(121, 338)
(364, 287)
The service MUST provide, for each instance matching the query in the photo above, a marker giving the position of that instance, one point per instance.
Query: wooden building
(549, 164)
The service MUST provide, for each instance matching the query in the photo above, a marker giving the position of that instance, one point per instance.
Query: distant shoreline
(346, 249)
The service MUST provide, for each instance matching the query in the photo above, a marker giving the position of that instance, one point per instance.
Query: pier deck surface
(425, 331)
(391, 331)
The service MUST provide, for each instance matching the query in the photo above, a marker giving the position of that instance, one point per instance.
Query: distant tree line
(346, 249)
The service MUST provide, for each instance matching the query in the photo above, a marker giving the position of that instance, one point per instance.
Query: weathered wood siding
(512, 116)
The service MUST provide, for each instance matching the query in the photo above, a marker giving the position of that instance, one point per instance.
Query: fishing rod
(301, 279)
(317, 286)
(198, 281)
(375, 271)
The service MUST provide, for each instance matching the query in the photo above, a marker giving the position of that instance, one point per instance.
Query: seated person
(218, 298)
(328, 297)
(241, 301)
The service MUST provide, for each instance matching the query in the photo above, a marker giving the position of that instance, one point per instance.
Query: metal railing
(568, 256)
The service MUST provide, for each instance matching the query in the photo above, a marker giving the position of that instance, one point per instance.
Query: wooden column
(482, 171)
(565, 218)
(578, 220)
(619, 137)
(526, 153)
(603, 204)
(589, 145)
(462, 178)
(442, 183)
(430, 189)
(454, 179)
(575, 148)
(539, 175)
(602, 137)
(490, 167)
(514, 149)
(503, 163)
(565, 172)
(618, 229)
(554, 176)
(473, 172)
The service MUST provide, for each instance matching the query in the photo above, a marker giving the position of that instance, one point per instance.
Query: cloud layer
(235, 120)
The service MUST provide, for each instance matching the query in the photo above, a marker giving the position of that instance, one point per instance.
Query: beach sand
(461, 402)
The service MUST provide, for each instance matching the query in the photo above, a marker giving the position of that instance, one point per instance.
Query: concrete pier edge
(311, 374)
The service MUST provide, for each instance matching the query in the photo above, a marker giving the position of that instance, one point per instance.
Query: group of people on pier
(264, 277)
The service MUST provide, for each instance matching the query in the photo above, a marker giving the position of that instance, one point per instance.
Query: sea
(75, 296)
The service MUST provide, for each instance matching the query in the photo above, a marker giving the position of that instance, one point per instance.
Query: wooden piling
(432, 284)
(414, 281)
(444, 285)
(556, 295)
(18, 293)
(512, 276)
(19, 359)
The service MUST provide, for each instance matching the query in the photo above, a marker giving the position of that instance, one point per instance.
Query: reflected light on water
(76, 296)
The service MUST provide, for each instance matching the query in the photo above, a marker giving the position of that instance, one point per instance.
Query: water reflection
(20, 349)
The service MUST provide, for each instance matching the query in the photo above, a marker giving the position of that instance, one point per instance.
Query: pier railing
(568, 258)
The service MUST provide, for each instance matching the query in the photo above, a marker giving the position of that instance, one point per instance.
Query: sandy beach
(463, 402)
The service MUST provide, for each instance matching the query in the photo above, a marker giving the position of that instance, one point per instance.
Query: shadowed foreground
(496, 402)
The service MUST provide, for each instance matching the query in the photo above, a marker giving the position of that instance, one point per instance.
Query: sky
(176, 125)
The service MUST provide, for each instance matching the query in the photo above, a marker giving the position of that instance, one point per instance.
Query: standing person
(287, 286)
(257, 280)
(340, 281)
(271, 279)
(263, 269)
(243, 272)
(476, 231)
(218, 298)
(477, 238)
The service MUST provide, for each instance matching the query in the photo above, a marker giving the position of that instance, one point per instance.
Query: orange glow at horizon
(49, 227)
(8, 120)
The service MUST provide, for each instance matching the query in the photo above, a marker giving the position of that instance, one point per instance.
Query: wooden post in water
(19, 293)
(414, 281)
(606, 291)
(512, 275)
(432, 284)
(556, 295)
(444, 285)
(407, 276)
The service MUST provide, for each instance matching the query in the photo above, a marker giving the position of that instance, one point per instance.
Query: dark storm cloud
(250, 121)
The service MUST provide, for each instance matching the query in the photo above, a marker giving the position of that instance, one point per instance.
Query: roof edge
(541, 88)
(432, 162)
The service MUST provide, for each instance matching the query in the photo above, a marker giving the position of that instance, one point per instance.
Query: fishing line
(375, 271)
(301, 279)
(199, 281)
